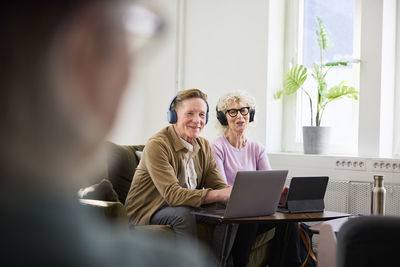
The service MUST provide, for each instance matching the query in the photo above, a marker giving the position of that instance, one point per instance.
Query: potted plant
(294, 80)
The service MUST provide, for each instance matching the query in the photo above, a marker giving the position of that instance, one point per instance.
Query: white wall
(144, 107)
(225, 50)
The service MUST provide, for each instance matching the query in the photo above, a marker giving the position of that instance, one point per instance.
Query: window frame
(370, 129)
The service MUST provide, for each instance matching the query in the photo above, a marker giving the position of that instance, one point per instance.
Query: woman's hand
(284, 193)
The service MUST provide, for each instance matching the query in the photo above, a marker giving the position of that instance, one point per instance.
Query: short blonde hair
(234, 97)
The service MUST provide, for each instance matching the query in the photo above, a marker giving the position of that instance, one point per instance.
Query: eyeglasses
(143, 24)
(233, 112)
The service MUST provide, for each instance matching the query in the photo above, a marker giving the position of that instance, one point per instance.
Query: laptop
(306, 194)
(254, 193)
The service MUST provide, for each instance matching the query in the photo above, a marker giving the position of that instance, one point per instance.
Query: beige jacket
(160, 181)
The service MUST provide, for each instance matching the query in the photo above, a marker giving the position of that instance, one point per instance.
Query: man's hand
(284, 193)
(220, 195)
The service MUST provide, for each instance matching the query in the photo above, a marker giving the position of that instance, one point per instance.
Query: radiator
(355, 197)
(392, 199)
(360, 198)
(337, 196)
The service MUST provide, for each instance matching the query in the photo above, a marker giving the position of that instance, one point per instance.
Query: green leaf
(316, 70)
(319, 77)
(341, 91)
(322, 36)
(278, 94)
(322, 86)
(294, 79)
(342, 62)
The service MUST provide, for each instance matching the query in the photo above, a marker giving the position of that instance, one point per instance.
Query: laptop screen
(255, 193)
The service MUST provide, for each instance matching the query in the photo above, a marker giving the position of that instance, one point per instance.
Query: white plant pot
(316, 139)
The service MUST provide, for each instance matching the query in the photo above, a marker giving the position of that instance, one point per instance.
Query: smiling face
(239, 123)
(191, 118)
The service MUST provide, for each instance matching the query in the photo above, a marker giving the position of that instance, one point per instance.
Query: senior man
(177, 171)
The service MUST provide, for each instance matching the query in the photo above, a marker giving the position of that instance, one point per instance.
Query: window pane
(338, 18)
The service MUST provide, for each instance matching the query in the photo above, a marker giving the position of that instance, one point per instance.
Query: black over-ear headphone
(222, 117)
(172, 117)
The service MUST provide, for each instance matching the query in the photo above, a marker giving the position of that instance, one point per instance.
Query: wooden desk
(277, 217)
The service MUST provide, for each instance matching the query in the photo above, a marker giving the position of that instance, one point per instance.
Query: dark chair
(369, 241)
(121, 163)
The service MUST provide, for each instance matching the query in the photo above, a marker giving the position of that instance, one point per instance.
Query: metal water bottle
(378, 196)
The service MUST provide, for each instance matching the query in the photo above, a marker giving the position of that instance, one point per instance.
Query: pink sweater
(230, 160)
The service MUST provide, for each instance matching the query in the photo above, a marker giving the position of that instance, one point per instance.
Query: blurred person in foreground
(64, 66)
(233, 152)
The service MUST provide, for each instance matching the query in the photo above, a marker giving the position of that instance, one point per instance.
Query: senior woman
(233, 152)
(177, 171)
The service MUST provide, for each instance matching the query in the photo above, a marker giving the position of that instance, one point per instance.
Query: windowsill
(300, 154)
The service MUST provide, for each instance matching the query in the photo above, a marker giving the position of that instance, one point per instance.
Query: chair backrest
(121, 164)
(369, 241)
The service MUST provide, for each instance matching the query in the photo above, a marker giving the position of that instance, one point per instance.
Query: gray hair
(233, 97)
